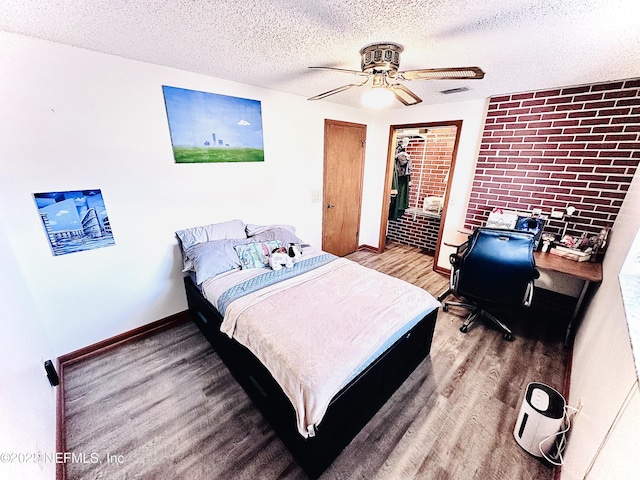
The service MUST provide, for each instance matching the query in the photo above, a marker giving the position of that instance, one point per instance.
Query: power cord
(555, 456)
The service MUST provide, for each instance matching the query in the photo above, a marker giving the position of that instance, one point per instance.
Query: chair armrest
(462, 247)
(528, 295)
(454, 260)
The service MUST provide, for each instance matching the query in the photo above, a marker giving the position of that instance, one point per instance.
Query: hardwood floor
(166, 407)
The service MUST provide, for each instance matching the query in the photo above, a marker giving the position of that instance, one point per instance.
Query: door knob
(330, 206)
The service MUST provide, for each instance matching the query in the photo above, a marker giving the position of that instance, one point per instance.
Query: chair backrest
(497, 266)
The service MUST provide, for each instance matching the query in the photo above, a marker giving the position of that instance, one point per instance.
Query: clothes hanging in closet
(400, 182)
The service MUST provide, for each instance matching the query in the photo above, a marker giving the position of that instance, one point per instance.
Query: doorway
(344, 148)
(415, 207)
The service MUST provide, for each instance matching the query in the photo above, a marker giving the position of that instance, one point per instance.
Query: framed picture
(74, 221)
(211, 128)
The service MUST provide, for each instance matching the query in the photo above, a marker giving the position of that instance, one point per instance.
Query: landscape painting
(75, 220)
(211, 128)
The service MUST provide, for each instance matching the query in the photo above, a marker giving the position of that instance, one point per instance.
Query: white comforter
(314, 332)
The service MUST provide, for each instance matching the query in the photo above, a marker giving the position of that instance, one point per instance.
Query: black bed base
(350, 409)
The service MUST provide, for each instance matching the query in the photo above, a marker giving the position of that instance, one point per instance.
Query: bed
(318, 347)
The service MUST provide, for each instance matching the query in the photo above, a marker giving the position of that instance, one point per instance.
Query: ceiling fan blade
(344, 70)
(404, 95)
(441, 74)
(337, 90)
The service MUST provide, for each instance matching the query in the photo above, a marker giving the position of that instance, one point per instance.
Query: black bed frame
(350, 409)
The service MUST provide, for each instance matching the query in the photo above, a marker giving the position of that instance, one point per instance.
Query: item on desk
(571, 253)
(595, 244)
(570, 211)
(532, 224)
(600, 245)
(547, 242)
(500, 218)
(569, 241)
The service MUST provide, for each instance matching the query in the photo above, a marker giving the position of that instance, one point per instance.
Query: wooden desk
(588, 272)
(457, 239)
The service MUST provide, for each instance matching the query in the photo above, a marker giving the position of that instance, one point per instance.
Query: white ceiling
(521, 44)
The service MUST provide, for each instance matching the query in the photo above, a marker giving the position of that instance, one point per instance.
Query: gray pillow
(212, 258)
(207, 233)
(253, 229)
(276, 233)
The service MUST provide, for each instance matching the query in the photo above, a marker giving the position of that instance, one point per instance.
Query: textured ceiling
(520, 44)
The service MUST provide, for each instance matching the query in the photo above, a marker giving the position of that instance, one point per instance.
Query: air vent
(454, 90)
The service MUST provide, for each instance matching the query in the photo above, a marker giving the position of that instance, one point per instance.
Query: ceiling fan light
(377, 98)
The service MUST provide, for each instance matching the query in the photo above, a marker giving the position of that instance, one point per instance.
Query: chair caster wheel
(464, 328)
(508, 337)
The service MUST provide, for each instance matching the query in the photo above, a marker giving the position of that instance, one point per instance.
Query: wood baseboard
(91, 350)
(136, 333)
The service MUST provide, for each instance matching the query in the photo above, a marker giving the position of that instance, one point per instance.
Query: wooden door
(344, 147)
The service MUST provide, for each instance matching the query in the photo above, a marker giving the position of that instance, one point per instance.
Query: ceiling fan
(380, 63)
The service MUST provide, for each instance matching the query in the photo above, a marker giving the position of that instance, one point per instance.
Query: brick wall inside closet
(431, 157)
(430, 162)
(550, 149)
(416, 230)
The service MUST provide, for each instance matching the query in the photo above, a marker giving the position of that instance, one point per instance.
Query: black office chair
(496, 269)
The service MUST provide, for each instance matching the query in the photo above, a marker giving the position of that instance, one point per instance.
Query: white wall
(603, 372)
(74, 119)
(27, 402)
(618, 457)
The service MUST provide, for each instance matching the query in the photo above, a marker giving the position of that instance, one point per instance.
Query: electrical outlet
(315, 195)
(576, 411)
(557, 214)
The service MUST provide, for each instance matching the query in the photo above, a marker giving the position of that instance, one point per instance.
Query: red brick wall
(430, 162)
(549, 149)
(421, 231)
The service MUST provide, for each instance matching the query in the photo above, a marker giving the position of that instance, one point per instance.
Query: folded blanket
(315, 331)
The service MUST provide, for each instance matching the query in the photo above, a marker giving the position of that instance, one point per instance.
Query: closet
(422, 162)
